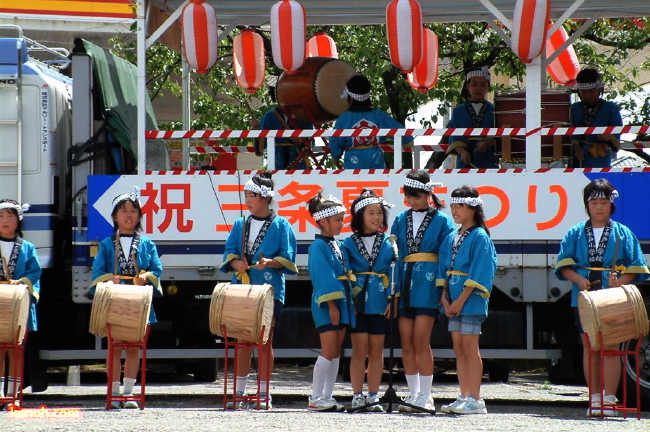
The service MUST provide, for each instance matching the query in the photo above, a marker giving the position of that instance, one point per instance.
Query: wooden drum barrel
(618, 313)
(243, 310)
(125, 307)
(14, 312)
(510, 111)
(312, 94)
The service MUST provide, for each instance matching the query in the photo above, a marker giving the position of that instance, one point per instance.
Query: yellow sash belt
(348, 276)
(457, 273)
(383, 276)
(421, 257)
(619, 268)
(243, 276)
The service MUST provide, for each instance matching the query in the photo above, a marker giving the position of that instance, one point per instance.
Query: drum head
(330, 83)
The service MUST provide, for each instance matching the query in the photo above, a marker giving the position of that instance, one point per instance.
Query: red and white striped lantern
(564, 69)
(321, 45)
(404, 30)
(199, 26)
(529, 28)
(425, 74)
(248, 60)
(288, 29)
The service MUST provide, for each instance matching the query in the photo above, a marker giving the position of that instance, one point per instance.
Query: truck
(61, 152)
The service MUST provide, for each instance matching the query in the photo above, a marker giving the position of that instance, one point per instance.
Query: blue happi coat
(363, 152)
(474, 266)
(461, 118)
(608, 115)
(278, 243)
(148, 264)
(330, 282)
(28, 270)
(375, 297)
(574, 253)
(423, 293)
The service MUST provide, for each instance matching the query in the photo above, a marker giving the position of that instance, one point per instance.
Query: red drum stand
(257, 400)
(618, 407)
(110, 397)
(17, 350)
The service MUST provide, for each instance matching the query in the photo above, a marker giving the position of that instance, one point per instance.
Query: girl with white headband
(261, 248)
(587, 259)
(468, 262)
(477, 112)
(420, 231)
(370, 253)
(126, 257)
(18, 265)
(331, 304)
(362, 152)
(594, 151)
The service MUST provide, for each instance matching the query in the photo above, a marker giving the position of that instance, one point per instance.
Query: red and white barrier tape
(249, 149)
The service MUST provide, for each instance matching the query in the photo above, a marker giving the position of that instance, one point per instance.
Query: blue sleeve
(288, 247)
(323, 275)
(154, 266)
(103, 262)
(233, 246)
(567, 256)
(338, 144)
(444, 260)
(634, 260)
(483, 264)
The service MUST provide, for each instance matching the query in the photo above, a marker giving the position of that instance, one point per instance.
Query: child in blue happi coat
(420, 231)
(468, 262)
(269, 253)
(18, 265)
(370, 254)
(331, 304)
(137, 263)
(600, 253)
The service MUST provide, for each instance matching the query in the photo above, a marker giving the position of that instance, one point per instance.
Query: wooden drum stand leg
(18, 351)
(110, 397)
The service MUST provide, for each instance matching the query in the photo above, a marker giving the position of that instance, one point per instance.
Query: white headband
(483, 73)
(470, 201)
(133, 196)
(19, 208)
(330, 211)
(419, 185)
(355, 96)
(372, 200)
(265, 191)
(590, 86)
(601, 194)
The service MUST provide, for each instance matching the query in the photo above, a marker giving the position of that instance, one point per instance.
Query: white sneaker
(358, 400)
(455, 404)
(238, 405)
(410, 399)
(425, 401)
(471, 406)
(595, 411)
(373, 399)
(320, 403)
(265, 405)
(338, 407)
(116, 404)
(130, 404)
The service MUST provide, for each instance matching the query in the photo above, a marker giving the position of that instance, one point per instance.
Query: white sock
(413, 381)
(115, 387)
(425, 384)
(262, 387)
(2, 386)
(240, 384)
(328, 385)
(13, 383)
(128, 385)
(321, 370)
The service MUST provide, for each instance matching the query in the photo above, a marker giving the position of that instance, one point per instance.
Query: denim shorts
(466, 324)
(277, 309)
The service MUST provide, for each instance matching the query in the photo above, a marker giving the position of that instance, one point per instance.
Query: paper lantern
(288, 28)
(425, 74)
(321, 45)
(529, 28)
(199, 25)
(404, 30)
(564, 69)
(248, 60)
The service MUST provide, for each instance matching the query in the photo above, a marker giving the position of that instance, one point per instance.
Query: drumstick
(5, 267)
(618, 240)
(135, 264)
(596, 282)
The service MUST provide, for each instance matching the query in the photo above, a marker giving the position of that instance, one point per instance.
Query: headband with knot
(262, 190)
(133, 196)
(19, 208)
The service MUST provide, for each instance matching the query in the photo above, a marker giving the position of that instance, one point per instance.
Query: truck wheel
(498, 370)
(206, 370)
(644, 372)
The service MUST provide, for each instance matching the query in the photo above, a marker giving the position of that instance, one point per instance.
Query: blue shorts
(466, 324)
(277, 309)
(330, 327)
(411, 312)
(374, 324)
(576, 316)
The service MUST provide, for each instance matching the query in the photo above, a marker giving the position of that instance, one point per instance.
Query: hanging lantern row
(404, 31)
(288, 29)
(529, 28)
(199, 28)
(425, 74)
(564, 69)
(248, 60)
(321, 45)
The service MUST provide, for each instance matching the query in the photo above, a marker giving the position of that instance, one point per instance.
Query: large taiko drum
(244, 311)
(312, 94)
(510, 111)
(618, 313)
(124, 307)
(14, 312)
